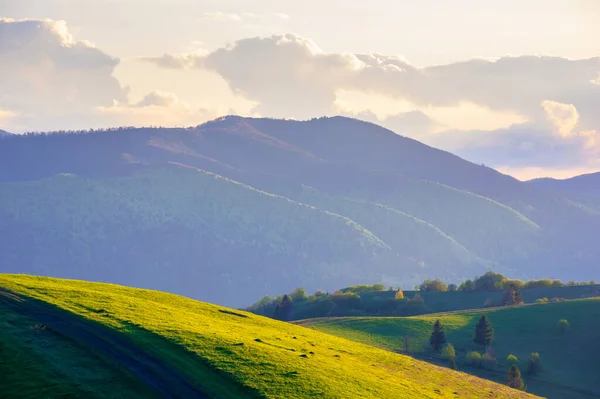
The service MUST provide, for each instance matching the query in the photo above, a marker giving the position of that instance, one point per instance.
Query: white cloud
(563, 116)
(291, 71)
(528, 110)
(43, 69)
(248, 16)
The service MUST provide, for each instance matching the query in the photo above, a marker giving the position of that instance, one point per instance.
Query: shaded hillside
(435, 214)
(569, 359)
(188, 349)
(181, 230)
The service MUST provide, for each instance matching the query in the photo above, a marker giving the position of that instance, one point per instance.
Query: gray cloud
(44, 70)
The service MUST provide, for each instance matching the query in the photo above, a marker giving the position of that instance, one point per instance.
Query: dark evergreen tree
(512, 296)
(534, 364)
(283, 310)
(513, 378)
(438, 338)
(484, 333)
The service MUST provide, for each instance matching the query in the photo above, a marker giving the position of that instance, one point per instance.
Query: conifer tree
(283, 310)
(513, 378)
(484, 333)
(438, 338)
(512, 296)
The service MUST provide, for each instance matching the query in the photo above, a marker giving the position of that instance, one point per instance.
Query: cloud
(291, 71)
(523, 111)
(43, 69)
(156, 108)
(563, 116)
(239, 17)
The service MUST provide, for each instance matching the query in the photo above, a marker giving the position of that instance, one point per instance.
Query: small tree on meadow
(484, 333)
(449, 354)
(534, 364)
(512, 296)
(563, 326)
(512, 360)
(399, 295)
(438, 337)
(513, 378)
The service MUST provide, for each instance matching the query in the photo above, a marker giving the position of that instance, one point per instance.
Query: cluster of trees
(355, 300)
(491, 281)
(377, 300)
(483, 337)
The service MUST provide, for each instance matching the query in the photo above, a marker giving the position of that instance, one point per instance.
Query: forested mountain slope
(262, 203)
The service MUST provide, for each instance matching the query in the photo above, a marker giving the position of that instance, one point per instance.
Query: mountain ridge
(384, 182)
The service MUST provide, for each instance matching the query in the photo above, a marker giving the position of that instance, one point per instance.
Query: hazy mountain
(239, 207)
(4, 133)
(588, 183)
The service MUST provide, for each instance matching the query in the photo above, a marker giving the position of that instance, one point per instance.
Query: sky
(514, 85)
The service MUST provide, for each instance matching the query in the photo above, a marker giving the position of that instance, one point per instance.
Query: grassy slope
(570, 360)
(224, 351)
(44, 364)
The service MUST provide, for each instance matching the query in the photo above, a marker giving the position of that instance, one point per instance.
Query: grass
(231, 354)
(570, 360)
(36, 362)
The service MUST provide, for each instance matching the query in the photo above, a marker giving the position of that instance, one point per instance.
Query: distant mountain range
(589, 183)
(238, 208)
(4, 133)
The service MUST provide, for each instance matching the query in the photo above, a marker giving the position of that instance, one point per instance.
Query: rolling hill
(322, 203)
(570, 360)
(153, 344)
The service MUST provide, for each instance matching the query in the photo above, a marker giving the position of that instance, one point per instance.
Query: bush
(512, 360)
(563, 326)
(399, 295)
(474, 359)
(452, 287)
(534, 364)
(448, 352)
(541, 300)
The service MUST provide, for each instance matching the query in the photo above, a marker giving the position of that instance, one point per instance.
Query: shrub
(448, 352)
(399, 295)
(452, 287)
(534, 364)
(474, 359)
(563, 326)
(512, 360)
(541, 300)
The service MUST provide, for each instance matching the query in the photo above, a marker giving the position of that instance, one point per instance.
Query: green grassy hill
(570, 359)
(143, 343)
